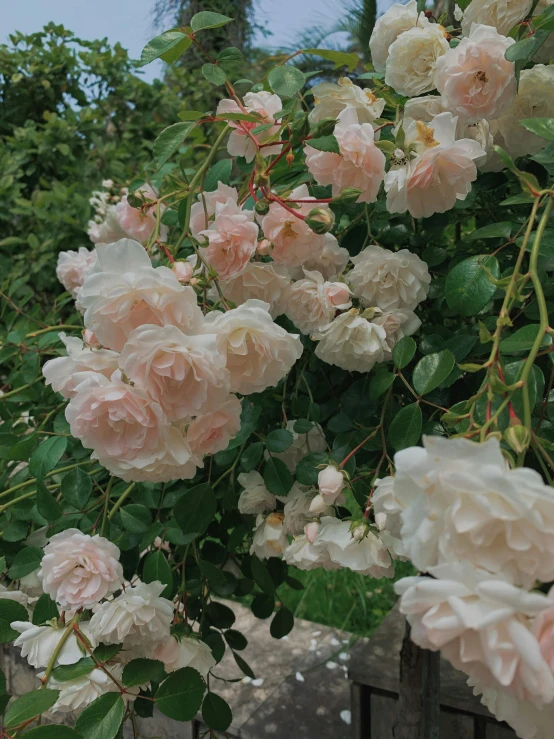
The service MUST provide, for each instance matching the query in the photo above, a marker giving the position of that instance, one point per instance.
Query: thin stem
(106, 507)
(57, 651)
(32, 480)
(61, 327)
(119, 502)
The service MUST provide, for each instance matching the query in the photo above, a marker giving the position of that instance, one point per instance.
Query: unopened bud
(134, 201)
(261, 206)
(194, 281)
(289, 158)
(428, 13)
(325, 127)
(183, 271)
(320, 220)
(348, 196)
(264, 247)
(517, 437)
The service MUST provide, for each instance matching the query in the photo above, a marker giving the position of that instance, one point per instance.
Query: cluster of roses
(83, 575)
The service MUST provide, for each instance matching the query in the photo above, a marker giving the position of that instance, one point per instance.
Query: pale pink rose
(322, 165)
(90, 339)
(331, 261)
(397, 324)
(232, 239)
(293, 240)
(433, 182)
(123, 291)
(331, 99)
(241, 144)
(413, 59)
(543, 629)
(106, 229)
(312, 302)
(201, 212)
(266, 281)
(183, 271)
(182, 373)
(187, 651)
(78, 570)
(60, 372)
(73, 267)
(212, 432)
(474, 78)
(330, 483)
(259, 352)
(139, 223)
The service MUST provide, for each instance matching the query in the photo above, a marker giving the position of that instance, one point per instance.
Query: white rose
(352, 342)
(307, 553)
(398, 18)
(269, 536)
(360, 550)
(17, 595)
(312, 302)
(137, 617)
(389, 280)
(38, 643)
(123, 291)
(186, 651)
(330, 99)
(73, 267)
(461, 502)
(81, 692)
(481, 623)
(387, 510)
(259, 352)
(302, 444)
(212, 431)
(267, 281)
(107, 229)
(528, 721)
(413, 59)
(297, 509)
(330, 483)
(475, 79)
(397, 324)
(331, 261)
(501, 14)
(255, 498)
(240, 143)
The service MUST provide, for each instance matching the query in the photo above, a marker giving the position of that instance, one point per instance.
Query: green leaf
(207, 19)
(282, 623)
(74, 671)
(76, 488)
(261, 576)
(251, 456)
(467, 288)
(303, 426)
(262, 605)
(306, 469)
(230, 54)
(10, 610)
(214, 74)
(405, 428)
(180, 696)
(26, 561)
(45, 610)
(235, 639)
(379, 383)
(432, 370)
(325, 143)
(47, 505)
(170, 140)
(243, 665)
(403, 352)
(52, 731)
(543, 127)
(161, 45)
(102, 719)
(106, 652)
(191, 115)
(141, 671)
(195, 510)
(28, 706)
(523, 339)
(286, 80)
(171, 55)
(277, 477)
(492, 231)
(47, 456)
(278, 440)
(211, 573)
(220, 615)
(523, 50)
(216, 712)
(220, 172)
(339, 58)
(156, 567)
(135, 518)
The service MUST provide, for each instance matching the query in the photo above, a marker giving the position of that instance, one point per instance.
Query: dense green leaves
(432, 371)
(523, 339)
(135, 518)
(180, 695)
(47, 505)
(102, 718)
(468, 287)
(26, 561)
(195, 509)
(405, 428)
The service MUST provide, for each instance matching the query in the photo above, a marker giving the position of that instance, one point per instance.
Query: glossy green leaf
(141, 671)
(214, 74)
(492, 231)
(28, 706)
(523, 339)
(26, 561)
(63, 673)
(325, 143)
(220, 172)
(180, 696)
(432, 371)
(216, 712)
(405, 428)
(277, 476)
(156, 567)
(282, 623)
(207, 19)
(102, 718)
(339, 58)
(403, 352)
(543, 127)
(467, 288)
(261, 576)
(170, 140)
(135, 518)
(10, 611)
(161, 45)
(47, 456)
(278, 440)
(47, 505)
(76, 488)
(195, 509)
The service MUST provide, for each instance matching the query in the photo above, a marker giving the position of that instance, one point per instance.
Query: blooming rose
(255, 498)
(297, 509)
(38, 643)
(139, 223)
(137, 617)
(269, 536)
(107, 229)
(17, 595)
(474, 78)
(534, 99)
(461, 502)
(481, 623)
(307, 553)
(232, 239)
(293, 240)
(543, 629)
(360, 550)
(212, 431)
(389, 280)
(351, 341)
(331, 261)
(124, 291)
(413, 59)
(397, 324)
(78, 570)
(388, 27)
(331, 99)
(73, 266)
(528, 721)
(187, 651)
(312, 302)
(240, 143)
(259, 352)
(433, 181)
(182, 373)
(500, 14)
(387, 509)
(79, 693)
(302, 444)
(60, 372)
(207, 204)
(259, 281)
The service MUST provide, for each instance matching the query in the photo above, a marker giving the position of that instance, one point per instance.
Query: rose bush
(327, 344)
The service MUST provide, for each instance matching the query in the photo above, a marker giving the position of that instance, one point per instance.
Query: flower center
(481, 77)
(426, 134)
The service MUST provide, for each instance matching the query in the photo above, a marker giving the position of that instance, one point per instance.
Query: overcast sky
(130, 21)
